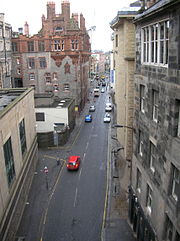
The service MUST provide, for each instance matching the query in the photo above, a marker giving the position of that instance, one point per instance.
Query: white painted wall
(52, 115)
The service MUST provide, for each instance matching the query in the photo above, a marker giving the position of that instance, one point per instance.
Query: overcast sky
(97, 13)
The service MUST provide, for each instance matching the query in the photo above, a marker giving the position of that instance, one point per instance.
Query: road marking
(80, 173)
(75, 197)
(84, 156)
(87, 145)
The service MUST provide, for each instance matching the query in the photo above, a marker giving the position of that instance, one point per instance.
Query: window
(31, 63)
(40, 116)
(116, 40)
(42, 62)
(18, 71)
(58, 45)
(66, 87)
(76, 44)
(72, 44)
(48, 78)
(9, 161)
(155, 105)
(140, 143)
(175, 182)
(18, 61)
(22, 135)
(149, 199)
(31, 76)
(177, 118)
(155, 43)
(152, 157)
(169, 230)
(14, 47)
(62, 45)
(138, 180)
(30, 45)
(142, 97)
(41, 47)
(54, 76)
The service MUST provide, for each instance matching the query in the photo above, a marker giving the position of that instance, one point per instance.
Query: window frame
(140, 149)
(155, 106)
(175, 182)
(142, 98)
(152, 156)
(9, 161)
(22, 136)
(154, 38)
(149, 192)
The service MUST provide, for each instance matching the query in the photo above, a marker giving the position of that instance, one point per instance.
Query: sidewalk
(117, 227)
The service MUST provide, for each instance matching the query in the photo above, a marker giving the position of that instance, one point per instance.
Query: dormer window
(58, 29)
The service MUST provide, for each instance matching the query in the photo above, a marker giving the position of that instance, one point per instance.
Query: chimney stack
(26, 28)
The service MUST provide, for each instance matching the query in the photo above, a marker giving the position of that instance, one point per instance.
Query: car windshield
(72, 163)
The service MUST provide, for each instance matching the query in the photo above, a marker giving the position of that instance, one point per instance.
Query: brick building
(154, 200)
(56, 59)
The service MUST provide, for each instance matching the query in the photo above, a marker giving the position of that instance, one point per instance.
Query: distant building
(18, 156)
(5, 53)
(56, 60)
(55, 119)
(154, 198)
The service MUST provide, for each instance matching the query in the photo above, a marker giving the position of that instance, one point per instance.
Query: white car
(102, 90)
(108, 107)
(92, 108)
(107, 118)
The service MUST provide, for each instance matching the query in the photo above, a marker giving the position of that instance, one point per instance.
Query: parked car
(102, 90)
(73, 162)
(108, 107)
(92, 108)
(107, 118)
(88, 118)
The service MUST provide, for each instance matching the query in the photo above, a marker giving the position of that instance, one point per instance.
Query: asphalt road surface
(76, 209)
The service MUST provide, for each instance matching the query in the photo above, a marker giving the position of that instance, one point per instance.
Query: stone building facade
(18, 156)
(5, 53)
(124, 66)
(57, 58)
(154, 196)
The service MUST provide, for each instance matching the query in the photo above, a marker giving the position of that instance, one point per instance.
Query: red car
(73, 162)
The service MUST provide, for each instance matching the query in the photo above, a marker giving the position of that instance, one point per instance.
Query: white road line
(80, 173)
(87, 145)
(75, 197)
(84, 155)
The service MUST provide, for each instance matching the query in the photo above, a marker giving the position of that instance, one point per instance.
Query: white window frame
(152, 157)
(142, 98)
(31, 76)
(151, 42)
(140, 144)
(138, 180)
(178, 131)
(155, 105)
(175, 181)
(66, 87)
(149, 199)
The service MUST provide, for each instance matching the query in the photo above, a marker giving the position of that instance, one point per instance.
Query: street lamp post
(122, 126)
(129, 160)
